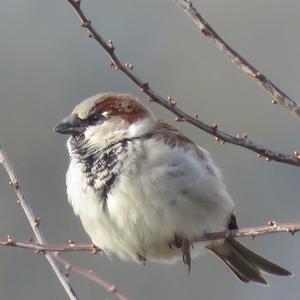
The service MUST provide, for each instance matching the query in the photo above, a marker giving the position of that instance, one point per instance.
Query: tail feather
(245, 264)
(243, 268)
(260, 262)
(239, 275)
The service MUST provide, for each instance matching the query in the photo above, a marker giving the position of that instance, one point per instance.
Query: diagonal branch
(71, 247)
(271, 227)
(252, 232)
(42, 248)
(279, 97)
(90, 275)
(170, 105)
(34, 223)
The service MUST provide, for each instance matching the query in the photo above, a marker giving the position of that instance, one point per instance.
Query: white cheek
(109, 130)
(94, 134)
(141, 127)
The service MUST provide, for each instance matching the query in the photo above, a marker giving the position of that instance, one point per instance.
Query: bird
(144, 191)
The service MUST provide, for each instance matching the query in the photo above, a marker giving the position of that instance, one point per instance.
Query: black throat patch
(101, 166)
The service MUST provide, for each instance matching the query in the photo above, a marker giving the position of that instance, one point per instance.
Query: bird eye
(94, 118)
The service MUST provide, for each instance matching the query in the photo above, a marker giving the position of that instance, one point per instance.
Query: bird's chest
(92, 177)
(91, 186)
(101, 168)
(90, 205)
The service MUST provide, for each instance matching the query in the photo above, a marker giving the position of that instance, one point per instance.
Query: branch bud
(205, 31)
(272, 223)
(36, 221)
(215, 126)
(218, 139)
(297, 154)
(129, 66)
(86, 24)
(110, 44)
(291, 231)
(89, 34)
(14, 184)
(95, 249)
(179, 119)
(71, 243)
(112, 289)
(145, 86)
(259, 76)
(171, 101)
(9, 241)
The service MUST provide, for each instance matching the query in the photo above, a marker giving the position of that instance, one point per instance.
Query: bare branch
(34, 223)
(279, 97)
(70, 247)
(271, 227)
(42, 248)
(219, 135)
(90, 275)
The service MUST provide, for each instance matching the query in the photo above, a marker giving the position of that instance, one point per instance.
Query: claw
(186, 254)
(185, 245)
(141, 258)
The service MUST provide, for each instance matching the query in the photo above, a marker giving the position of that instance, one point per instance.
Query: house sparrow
(143, 190)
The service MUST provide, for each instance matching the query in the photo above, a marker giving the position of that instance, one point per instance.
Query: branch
(90, 275)
(71, 247)
(169, 104)
(252, 232)
(279, 97)
(42, 248)
(34, 223)
(271, 227)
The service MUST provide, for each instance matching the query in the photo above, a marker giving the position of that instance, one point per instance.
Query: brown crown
(124, 107)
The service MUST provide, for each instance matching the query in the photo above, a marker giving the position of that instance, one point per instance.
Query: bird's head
(106, 118)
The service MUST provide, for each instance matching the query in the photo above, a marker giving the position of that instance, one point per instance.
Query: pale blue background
(47, 65)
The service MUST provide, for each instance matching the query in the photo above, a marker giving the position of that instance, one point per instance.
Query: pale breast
(160, 191)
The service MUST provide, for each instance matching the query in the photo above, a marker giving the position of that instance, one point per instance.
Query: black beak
(70, 125)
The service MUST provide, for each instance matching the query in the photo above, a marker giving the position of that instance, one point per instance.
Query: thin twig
(34, 223)
(90, 275)
(271, 227)
(71, 247)
(279, 97)
(219, 135)
(42, 248)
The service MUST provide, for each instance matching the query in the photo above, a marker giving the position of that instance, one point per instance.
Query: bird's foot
(186, 254)
(185, 245)
(141, 258)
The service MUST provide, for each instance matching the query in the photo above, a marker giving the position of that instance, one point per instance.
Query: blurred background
(48, 65)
